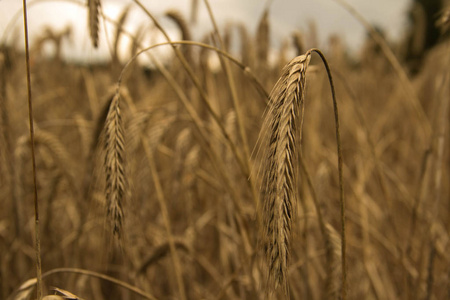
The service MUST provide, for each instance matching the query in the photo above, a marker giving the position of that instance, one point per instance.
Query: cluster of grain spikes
(281, 137)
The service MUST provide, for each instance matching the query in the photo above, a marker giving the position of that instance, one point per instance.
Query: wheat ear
(114, 165)
(280, 169)
(94, 14)
(181, 22)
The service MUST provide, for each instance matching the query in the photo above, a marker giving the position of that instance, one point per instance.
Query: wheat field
(223, 172)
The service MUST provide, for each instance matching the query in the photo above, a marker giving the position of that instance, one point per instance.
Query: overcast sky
(285, 17)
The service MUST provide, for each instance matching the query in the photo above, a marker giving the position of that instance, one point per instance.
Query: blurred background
(324, 17)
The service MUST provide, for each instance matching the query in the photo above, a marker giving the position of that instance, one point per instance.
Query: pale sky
(285, 17)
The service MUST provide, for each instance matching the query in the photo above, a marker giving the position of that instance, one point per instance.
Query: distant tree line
(423, 33)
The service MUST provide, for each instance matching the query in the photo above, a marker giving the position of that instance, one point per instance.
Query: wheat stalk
(194, 12)
(237, 106)
(160, 252)
(23, 291)
(340, 174)
(298, 40)
(57, 150)
(186, 35)
(263, 41)
(332, 284)
(119, 29)
(6, 161)
(246, 49)
(182, 145)
(37, 239)
(280, 169)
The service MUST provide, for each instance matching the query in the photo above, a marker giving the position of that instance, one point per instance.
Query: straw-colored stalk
(119, 29)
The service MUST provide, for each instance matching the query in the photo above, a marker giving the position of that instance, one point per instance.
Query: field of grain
(226, 173)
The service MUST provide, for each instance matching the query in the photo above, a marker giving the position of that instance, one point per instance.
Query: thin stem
(33, 157)
(215, 160)
(340, 171)
(91, 274)
(237, 106)
(162, 204)
(201, 91)
(166, 218)
(245, 69)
